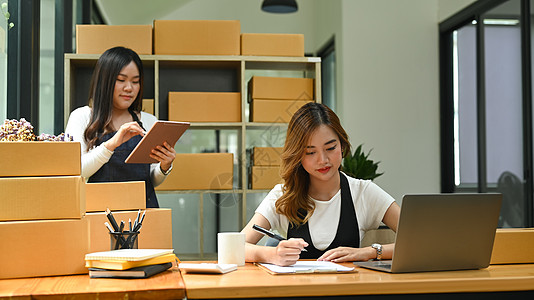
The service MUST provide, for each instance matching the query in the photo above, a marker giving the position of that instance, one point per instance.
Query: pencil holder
(123, 240)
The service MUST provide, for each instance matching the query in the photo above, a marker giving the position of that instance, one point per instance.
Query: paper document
(307, 267)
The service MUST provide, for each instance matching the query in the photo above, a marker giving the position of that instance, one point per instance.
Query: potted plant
(358, 165)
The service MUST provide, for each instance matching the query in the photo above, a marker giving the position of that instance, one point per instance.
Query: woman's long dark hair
(101, 91)
(296, 179)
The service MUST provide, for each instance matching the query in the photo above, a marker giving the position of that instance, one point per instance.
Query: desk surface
(250, 281)
(166, 285)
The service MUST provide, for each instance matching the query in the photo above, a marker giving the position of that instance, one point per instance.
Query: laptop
(441, 232)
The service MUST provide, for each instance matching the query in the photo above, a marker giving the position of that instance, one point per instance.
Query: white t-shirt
(93, 159)
(370, 204)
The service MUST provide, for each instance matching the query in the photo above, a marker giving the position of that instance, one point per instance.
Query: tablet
(160, 132)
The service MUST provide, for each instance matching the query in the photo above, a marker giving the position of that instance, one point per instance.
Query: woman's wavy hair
(107, 68)
(294, 202)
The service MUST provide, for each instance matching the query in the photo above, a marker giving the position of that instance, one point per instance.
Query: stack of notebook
(129, 263)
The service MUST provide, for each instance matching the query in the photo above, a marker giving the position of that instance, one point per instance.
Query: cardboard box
(267, 156)
(148, 106)
(40, 159)
(38, 198)
(197, 37)
(43, 248)
(129, 195)
(280, 88)
(204, 107)
(95, 39)
(202, 171)
(156, 232)
(513, 246)
(265, 177)
(274, 111)
(272, 44)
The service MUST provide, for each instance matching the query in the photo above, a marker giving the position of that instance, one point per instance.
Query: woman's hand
(341, 254)
(165, 154)
(288, 252)
(125, 132)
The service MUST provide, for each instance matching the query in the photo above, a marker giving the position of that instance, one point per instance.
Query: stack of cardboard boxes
(265, 167)
(276, 99)
(42, 206)
(50, 218)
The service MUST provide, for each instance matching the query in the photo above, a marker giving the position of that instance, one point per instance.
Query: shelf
(211, 58)
(248, 191)
(255, 125)
(236, 125)
(239, 191)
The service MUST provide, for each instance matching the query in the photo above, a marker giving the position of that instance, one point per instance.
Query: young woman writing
(318, 207)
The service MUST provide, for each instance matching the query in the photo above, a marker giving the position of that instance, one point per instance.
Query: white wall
(388, 72)
(390, 85)
(448, 8)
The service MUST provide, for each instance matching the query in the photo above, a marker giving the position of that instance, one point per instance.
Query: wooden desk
(166, 285)
(251, 282)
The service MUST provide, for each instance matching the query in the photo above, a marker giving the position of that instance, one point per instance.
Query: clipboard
(160, 132)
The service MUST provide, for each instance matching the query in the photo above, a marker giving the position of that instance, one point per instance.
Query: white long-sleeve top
(93, 159)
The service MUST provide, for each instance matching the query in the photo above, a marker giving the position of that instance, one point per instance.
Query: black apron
(116, 170)
(348, 232)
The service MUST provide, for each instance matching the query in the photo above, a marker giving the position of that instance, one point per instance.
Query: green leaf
(358, 165)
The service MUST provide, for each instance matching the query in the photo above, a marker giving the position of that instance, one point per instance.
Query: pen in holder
(124, 240)
(120, 238)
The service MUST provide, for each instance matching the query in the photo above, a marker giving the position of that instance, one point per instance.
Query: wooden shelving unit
(164, 73)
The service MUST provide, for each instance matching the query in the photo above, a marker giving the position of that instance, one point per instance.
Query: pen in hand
(270, 234)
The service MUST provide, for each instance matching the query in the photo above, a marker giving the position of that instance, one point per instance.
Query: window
(486, 130)
(46, 68)
(4, 27)
(328, 74)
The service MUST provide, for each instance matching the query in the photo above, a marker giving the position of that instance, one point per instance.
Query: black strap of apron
(135, 118)
(348, 233)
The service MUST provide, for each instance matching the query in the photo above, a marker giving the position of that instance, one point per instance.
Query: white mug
(231, 248)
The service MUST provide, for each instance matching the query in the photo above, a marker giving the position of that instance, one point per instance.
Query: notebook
(128, 254)
(137, 272)
(440, 232)
(160, 132)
